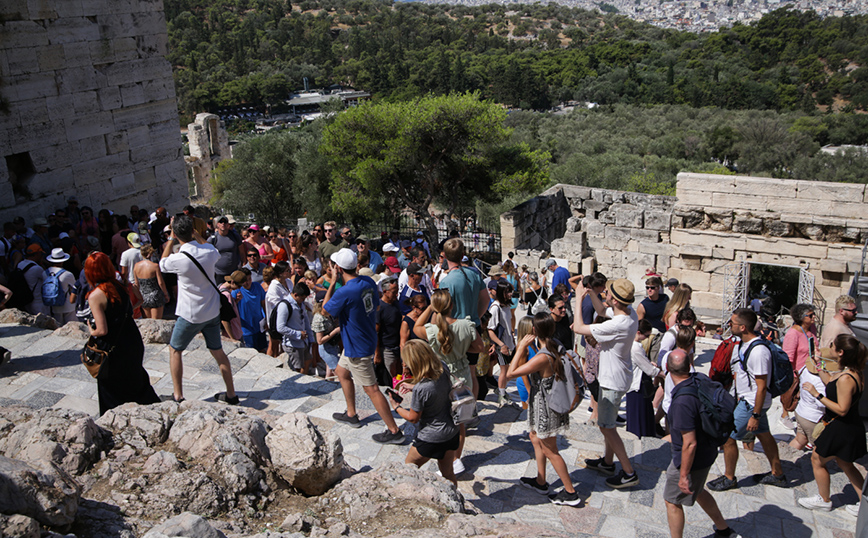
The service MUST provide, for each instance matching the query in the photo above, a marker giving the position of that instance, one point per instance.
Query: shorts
(806, 427)
(673, 494)
(436, 451)
(329, 355)
(391, 357)
(607, 408)
(184, 332)
(257, 341)
(743, 412)
(361, 369)
(297, 357)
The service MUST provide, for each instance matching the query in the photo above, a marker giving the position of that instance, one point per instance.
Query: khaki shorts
(362, 369)
(806, 427)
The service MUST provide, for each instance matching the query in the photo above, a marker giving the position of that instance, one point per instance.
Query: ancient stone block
(135, 71)
(109, 98)
(748, 225)
(657, 220)
(811, 231)
(123, 183)
(88, 126)
(835, 266)
(828, 221)
(790, 246)
(658, 249)
(116, 142)
(576, 192)
(18, 34)
(33, 85)
(23, 61)
(86, 103)
(79, 79)
(588, 265)
(125, 49)
(13, 10)
(32, 111)
(145, 178)
(574, 224)
(822, 190)
(694, 198)
(694, 250)
(796, 218)
(132, 94)
(705, 182)
(763, 187)
(72, 29)
(607, 217)
(50, 57)
(76, 54)
(776, 228)
(92, 147)
(739, 201)
(629, 216)
(152, 112)
(60, 179)
(640, 259)
(648, 236)
(723, 253)
(594, 205)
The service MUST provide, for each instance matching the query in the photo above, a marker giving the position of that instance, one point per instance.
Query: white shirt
(502, 315)
(759, 362)
(129, 258)
(616, 337)
(667, 344)
(67, 281)
(641, 365)
(403, 279)
(276, 292)
(809, 407)
(198, 301)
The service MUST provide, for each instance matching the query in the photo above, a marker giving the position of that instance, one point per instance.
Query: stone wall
(91, 107)
(209, 144)
(713, 221)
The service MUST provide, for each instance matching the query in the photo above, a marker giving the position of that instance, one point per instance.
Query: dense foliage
(231, 52)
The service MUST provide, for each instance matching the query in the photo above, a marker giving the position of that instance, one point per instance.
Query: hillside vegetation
(232, 52)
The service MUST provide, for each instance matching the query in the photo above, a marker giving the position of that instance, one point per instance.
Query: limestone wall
(209, 144)
(91, 107)
(713, 221)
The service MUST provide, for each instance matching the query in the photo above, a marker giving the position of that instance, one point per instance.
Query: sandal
(221, 397)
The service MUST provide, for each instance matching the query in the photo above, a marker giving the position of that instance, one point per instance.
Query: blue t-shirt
(561, 276)
(249, 303)
(684, 416)
(464, 285)
(375, 261)
(354, 305)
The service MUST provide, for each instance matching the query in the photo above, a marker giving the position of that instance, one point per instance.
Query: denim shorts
(607, 408)
(743, 412)
(184, 332)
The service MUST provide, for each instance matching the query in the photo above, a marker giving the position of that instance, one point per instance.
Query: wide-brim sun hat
(57, 256)
(622, 290)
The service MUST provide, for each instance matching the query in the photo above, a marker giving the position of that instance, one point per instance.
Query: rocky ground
(279, 466)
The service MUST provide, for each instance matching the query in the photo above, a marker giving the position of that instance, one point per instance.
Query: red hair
(101, 273)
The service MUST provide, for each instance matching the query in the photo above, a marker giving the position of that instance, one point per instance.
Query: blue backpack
(52, 290)
(717, 407)
(781, 376)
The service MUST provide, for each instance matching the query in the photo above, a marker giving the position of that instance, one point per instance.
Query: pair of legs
(273, 345)
(444, 463)
(182, 334)
(153, 313)
(821, 474)
(770, 447)
(607, 417)
(371, 389)
(675, 514)
(547, 450)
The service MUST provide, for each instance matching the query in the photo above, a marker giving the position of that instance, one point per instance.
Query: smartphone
(395, 396)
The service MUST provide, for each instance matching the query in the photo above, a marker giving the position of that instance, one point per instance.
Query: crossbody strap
(196, 263)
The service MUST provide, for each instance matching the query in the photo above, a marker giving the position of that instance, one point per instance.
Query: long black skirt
(640, 415)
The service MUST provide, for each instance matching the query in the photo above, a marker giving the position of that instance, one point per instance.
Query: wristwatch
(755, 415)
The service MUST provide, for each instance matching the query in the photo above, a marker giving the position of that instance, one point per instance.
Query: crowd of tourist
(420, 319)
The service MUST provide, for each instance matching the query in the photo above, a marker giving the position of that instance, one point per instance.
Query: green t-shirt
(326, 249)
(463, 334)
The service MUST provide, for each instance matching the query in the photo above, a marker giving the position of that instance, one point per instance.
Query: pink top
(797, 347)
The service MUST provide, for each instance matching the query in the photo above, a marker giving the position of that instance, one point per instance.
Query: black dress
(122, 378)
(843, 437)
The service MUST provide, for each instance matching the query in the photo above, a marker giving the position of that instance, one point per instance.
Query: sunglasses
(292, 236)
(851, 310)
(253, 255)
(345, 233)
(329, 230)
(650, 287)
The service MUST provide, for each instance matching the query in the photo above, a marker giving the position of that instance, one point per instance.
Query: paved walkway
(46, 371)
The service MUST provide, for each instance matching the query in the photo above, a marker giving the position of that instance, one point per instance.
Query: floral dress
(540, 419)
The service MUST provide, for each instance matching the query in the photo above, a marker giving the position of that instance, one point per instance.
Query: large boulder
(188, 525)
(156, 331)
(17, 526)
(43, 491)
(140, 425)
(400, 491)
(75, 330)
(227, 440)
(13, 315)
(68, 438)
(307, 459)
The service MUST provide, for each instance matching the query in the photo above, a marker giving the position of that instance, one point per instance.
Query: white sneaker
(852, 509)
(457, 467)
(815, 503)
(787, 423)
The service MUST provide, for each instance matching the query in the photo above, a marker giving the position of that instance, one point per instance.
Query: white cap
(345, 258)
(390, 247)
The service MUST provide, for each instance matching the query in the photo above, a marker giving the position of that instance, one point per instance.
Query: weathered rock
(299, 523)
(68, 438)
(226, 440)
(18, 526)
(188, 525)
(75, 330)
(156, 331)
(399, 490)
(43, 491)
(306, 458)
(269, 534)
(140, 425)
(161, 462)
(13, 315)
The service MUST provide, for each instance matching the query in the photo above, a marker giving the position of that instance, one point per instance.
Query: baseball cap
(672, 282)
(134, 240)
(254, 227)
(495, 270)
(40, 221)
(550, 262)
(362, 239)
(393, 265)
(406, 243)
(238, 277)
(366, 271)
(223, 218)
(622, 290)
(492, 284)
(415, 269)
(345, 258)
(34, 248)
(390, 247)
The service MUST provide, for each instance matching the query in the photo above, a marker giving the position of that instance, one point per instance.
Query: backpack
(717, 406)
(22, 293)
(540, 305)
(52, 290)
(721, 363)
(272, 319)
(565, 394)
(781, 375)
(82, 306)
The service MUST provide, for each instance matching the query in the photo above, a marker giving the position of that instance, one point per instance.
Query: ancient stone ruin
(714, 221)
(209, 144)
(87, 107)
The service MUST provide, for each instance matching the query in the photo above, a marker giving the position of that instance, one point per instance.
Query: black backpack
(22, 293)
(272, 319)
(717, 406)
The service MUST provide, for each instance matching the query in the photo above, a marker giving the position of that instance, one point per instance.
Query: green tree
(259, 179)
(448, 150)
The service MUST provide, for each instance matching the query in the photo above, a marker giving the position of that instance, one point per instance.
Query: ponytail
(441, 302)
(544, 327)
(444, 335)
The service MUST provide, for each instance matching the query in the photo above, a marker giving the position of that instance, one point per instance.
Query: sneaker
(351, 421)
(787, 423)
(5, 356)
(531, 483)
(852, 509)
(458, 467)
(221, 397)
(726, 533)
(599, 464)
(721, 483)
(815, 503)
(503, 400)
(623, 480)
(569, 499)
(389, 438)
(772, 480)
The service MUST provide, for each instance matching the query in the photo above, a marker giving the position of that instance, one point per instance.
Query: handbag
(463, 402)
(227, 312)
(566, 393)
(96, 351)
(646, 387)
(818, 429)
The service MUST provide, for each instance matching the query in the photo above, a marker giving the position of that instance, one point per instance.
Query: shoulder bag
(96, 350)
(227, 312)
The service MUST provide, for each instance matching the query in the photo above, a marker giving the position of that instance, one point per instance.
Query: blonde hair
(421, 360)
(147, 250)
(441, 302)
(268, 274)
(310, 274)
(523, 328)
(680, 299)
(317, 308)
